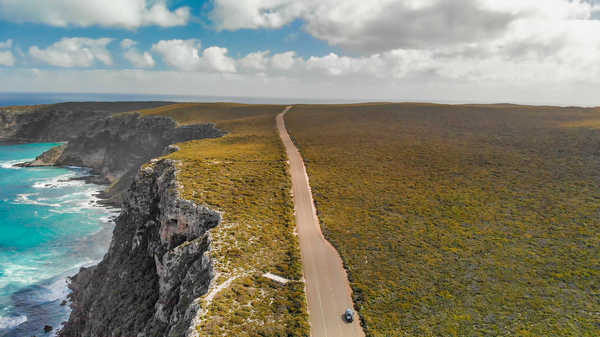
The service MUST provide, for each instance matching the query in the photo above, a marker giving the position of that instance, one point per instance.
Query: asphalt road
(328, 290)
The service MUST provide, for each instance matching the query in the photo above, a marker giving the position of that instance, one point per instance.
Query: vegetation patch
(244, 175)
(460, 220)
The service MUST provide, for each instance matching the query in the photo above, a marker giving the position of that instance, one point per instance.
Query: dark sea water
(50, 226)
(8, 99)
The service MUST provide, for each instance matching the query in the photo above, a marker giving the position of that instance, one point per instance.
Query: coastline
(45, 301)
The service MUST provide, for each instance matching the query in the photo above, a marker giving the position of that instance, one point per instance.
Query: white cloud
(378, 26)
(187, 55)
(257, 61)
(135, 57)
(284, 61)
(531, 42)
(6, 44)
(217, 59)
(139, 59)
(7, 58)
(485, 50)
(74, 52)
(180, 54)
(234, 14)
(113, 13)
(127, 43)
(263, 61)
(312, 87)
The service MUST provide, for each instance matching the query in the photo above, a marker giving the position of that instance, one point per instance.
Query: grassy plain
(461, 220)
(244, 175)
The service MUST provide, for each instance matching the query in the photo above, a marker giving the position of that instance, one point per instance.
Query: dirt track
(327, 285)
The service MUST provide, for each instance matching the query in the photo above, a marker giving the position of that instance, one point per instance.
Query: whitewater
(51, 225)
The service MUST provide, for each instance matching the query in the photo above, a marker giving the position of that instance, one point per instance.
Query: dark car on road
(349, 315)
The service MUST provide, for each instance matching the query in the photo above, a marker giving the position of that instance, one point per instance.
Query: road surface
(327, 287)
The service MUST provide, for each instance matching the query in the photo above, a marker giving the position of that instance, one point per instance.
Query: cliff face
(157, 264)
(8, 123)
(158, 261)
(60, 122)
(114, 146)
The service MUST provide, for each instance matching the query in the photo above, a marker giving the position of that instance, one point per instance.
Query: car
(349, 315)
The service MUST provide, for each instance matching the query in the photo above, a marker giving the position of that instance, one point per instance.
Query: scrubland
(460, 220)
(244, 175)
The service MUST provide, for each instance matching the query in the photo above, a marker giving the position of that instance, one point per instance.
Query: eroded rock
(157, 265)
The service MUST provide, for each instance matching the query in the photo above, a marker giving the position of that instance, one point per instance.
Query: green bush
(461, 220)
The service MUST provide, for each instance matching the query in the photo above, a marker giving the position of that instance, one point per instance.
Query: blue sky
(521, 51)
(200, 26)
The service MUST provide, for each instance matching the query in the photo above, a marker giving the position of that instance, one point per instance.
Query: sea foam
(10, 164)
(11, 322)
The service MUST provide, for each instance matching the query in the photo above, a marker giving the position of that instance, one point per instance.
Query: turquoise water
(50, 226)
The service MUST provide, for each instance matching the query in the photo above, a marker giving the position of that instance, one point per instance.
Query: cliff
(156, 266)
(114, 145)
(60, 122)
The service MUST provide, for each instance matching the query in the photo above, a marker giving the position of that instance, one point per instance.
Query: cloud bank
(136, 58)
(412, 48)
(74, 52)
(84, 13)
(187, 55)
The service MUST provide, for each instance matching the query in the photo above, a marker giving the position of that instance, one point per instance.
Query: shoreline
(46, 302)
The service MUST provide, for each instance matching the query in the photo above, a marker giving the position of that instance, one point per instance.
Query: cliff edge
(156, 267)
(100, 136)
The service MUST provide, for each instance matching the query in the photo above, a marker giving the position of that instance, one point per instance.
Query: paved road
(328, 291)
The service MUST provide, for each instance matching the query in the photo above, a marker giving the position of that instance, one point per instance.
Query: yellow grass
(460, 220)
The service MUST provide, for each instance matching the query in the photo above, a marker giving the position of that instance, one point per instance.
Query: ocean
(9, 99)
(50, 226)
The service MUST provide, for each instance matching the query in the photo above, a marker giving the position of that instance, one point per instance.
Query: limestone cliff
(157, 264)
(113, 145)
(60, 122)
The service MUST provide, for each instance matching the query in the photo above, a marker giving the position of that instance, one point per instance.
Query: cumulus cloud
(377, 26)
(6, 44)
(7, 58)
(135, 57)
(480, 49)
(526, 62)
(74, 52)
(139, 59)
(188, 55)
(370, 25)
(264, 62)
(127, 43)
(527, 41)
(114, 13)
(257, 61)
(284, 61)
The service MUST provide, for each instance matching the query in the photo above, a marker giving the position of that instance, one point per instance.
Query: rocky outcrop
(113, 145)
(48, 158)
(60, 122)
(116, 147)
(157, 264)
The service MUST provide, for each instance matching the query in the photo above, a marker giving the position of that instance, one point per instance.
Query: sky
(489, 51)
